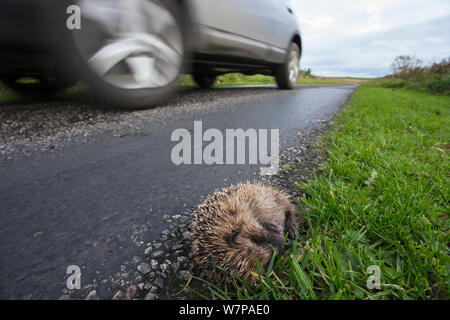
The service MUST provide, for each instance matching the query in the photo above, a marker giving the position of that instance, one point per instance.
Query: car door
(281, 23)
(235, 27)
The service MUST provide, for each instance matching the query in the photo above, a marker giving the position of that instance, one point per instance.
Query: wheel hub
(131, 44)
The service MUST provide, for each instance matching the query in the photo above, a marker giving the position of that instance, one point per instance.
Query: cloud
(349, 38)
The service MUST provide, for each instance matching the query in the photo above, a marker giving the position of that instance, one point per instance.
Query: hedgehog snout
(276, 241)
(274, 237)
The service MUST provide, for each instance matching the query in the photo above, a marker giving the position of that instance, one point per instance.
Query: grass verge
(236, 79)
(380, 202)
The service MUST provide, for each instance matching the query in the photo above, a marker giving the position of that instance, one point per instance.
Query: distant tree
(442, 67)
(404, 66)
(307, 73)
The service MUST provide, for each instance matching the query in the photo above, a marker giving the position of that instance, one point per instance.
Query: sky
(362, 38)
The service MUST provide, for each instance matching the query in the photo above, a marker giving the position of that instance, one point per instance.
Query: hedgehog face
(275, 237)
(262, 238)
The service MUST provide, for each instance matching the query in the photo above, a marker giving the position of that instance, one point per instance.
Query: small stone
(185, 275)
(64, 297)
(148, 251)
(157, 245)
(186, 235)
(178, 252)
(89, 286)
(164, 267)
(154, 289)
(182, 259)
(184, 219)
(157, 254)
(150, 296)
(147, 286)
(176, 266)
(176, 217)
(154, 264)
(136, 260)
(144, 268)
(141, 285)
(92, 295)
(177, 247)
(159, 283)
(166, 232)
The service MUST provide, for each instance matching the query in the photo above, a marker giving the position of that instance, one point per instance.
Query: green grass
(381, 199)
(231, 79)
(437, 84)
(234, 79)
(8, 96)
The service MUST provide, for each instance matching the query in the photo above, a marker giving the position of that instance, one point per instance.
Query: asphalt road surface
(91, 196)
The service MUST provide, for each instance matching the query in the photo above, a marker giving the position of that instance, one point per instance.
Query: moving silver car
(131, 52)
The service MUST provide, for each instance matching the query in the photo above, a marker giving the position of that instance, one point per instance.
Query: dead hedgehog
(238, 224)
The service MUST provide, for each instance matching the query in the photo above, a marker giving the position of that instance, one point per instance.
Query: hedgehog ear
(291, 222)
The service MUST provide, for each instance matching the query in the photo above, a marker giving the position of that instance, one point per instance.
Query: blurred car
(131, 52)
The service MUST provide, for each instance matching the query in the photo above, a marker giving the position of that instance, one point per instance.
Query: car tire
(140, 88)
(287, 74)
(38, 86)
(204, 81)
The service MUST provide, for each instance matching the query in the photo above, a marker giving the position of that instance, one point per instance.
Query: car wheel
(287, 74)
(204, 81)
(38, 86)
(131, 52)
